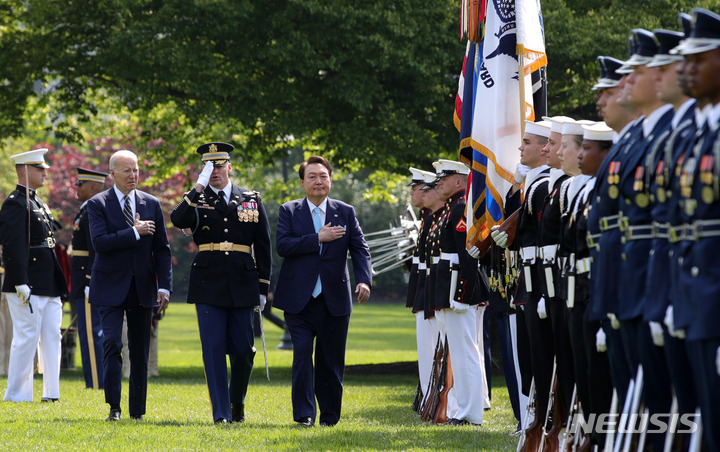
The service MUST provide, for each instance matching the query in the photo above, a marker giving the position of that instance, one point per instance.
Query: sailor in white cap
(458, 292)
(34, 281)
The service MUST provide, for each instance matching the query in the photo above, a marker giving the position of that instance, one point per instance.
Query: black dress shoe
(238, 412)
(327, 423)
(114, 415)
(137, 417)
(458, 422)
(306, 421)
(222, 420)
(49, 399)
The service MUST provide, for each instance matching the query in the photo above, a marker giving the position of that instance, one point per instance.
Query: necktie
(317, 222)
(127, 212)
(223, 203)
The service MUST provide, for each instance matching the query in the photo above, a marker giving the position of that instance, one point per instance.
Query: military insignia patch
(461, 226)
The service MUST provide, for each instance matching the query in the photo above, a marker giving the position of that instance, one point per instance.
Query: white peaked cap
(449, 167)
(35, 157)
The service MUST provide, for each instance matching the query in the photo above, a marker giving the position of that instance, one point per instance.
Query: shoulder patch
(461, 226)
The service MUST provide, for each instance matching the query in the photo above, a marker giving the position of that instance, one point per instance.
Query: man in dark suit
(89, 184)
(132, 274)
(229, 276)
(34, 282)
(314, 236)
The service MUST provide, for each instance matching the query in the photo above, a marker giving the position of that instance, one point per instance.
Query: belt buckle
(623, 223)
(603, 224)
(696, 230)
(225, 246)
(50, 242)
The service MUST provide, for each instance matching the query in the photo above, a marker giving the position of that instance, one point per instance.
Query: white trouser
(481, 348)
(461, 331)
(426, 332)
(30, 329)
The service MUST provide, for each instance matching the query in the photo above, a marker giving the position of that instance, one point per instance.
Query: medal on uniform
(660, 173)
(613, 191)
(241, 213)
(638, 185)
(707, 194)
(660, 193)
(642, 200)
(690, 206)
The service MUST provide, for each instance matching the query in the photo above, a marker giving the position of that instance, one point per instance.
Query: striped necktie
(127, 212)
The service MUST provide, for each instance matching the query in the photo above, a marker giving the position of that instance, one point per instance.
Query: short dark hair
(314, 159)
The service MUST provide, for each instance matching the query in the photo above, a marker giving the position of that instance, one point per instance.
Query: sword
(262, 335)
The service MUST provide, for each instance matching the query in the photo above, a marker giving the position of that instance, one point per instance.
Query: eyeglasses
(79, 183)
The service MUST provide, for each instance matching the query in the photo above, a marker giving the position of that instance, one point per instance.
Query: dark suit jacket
(297, 243)
(83, 255)
(119, 256)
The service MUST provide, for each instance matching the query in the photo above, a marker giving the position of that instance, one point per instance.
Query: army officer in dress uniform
(229, 276)
(89, 184)
(33, 281)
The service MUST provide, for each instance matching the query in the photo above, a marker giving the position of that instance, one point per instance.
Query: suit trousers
(85, 351)
(426, 332)
(702, 354)
(226, 331)
(37, 322)
(139, 319)
(461, 330)
(315, 324)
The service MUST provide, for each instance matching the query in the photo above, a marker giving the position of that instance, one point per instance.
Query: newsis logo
(637, 423)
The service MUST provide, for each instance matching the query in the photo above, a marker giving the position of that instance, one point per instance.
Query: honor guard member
(89, 184)
(640, 339)
(426, 335)
(458, 291)
(603, 222)
(535, 190)
(229, 277)
(34, 281)
(699, 188)
(658, 164)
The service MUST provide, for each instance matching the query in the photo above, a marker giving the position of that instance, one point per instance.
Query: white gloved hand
(656, 332)
(670, 323)
(474, 252)
(87, 292)
(499, 237)
(263, 300)
(600, 344)
(614, 322)
(717, 361)
(23, 292)
(542, 311)
(459, 307)
(520, 172)
(204, 177)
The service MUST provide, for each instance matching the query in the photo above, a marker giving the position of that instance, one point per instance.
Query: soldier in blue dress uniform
(89, 183)
(229, 276)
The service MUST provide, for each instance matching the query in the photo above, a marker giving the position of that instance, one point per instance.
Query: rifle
(509, 226)
(548, 438)
(446, 380)
(530, 408)
(635, 409)
(428, 409)
(568, 429)
(418, 398)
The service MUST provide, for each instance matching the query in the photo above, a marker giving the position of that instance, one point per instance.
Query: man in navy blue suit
(314, 236)
(131, 274)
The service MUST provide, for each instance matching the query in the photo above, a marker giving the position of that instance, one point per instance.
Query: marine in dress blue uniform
(89, 183)
(229, 276)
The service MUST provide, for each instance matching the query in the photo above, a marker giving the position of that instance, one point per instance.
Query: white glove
(263, 300)
(657, 334)
(542, 312)
(459, 307)
(670, 323)
(717, 361)
(204, 176)
(600, 344)
(23, 292)
(614, 321)
(499, 236)
(474, 252)
(87, 292)
(520, 172)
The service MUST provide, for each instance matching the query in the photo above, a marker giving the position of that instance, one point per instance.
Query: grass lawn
(376, 408)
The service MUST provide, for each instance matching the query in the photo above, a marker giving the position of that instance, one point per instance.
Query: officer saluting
(89, 184)
(229, 276)
(33, 282)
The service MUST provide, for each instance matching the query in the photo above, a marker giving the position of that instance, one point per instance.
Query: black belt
(47, 243)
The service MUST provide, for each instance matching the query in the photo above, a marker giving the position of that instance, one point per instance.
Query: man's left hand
(363, 291)
(163, 299)
(263, 301)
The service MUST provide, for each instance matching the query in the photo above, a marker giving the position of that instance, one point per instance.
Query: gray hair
(121, 154)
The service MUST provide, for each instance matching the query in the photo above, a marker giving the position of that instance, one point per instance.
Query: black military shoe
(114, 415)
(238, 412)
(306, 421)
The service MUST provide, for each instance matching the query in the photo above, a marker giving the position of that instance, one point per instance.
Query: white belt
(548, 253)
(422, 266)
(436, 259)
(416, 260)
(582, 266)
(452, 257)
(528, 254)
